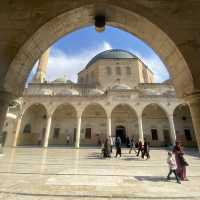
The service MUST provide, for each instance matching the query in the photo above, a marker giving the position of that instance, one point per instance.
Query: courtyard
(68, 173)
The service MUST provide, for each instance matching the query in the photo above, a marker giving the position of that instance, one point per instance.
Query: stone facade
(115, 95)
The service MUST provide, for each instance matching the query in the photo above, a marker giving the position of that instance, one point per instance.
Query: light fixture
(100, 22)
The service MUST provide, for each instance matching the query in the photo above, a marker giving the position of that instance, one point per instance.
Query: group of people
(177, 165)
(141, 148)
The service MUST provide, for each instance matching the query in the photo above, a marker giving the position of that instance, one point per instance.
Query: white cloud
(61, 64)
(155, 64)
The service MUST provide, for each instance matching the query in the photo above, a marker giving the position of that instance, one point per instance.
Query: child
(172, 167)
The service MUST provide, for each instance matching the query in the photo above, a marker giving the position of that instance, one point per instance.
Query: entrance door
(166, 137)
(121, 132)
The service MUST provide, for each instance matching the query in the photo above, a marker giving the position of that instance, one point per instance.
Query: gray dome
(111, 54)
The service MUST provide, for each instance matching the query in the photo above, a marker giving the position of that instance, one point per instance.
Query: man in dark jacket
(118, 144)
(146, 149)
(139, 148)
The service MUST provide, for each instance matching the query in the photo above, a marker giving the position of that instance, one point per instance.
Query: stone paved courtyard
(67, 173)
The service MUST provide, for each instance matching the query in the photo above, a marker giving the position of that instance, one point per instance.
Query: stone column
(172, 129)
(5, 99)
(141, 135)
(109, 127)
(17, 131)
(47, 131)
(78, 133)
(194, 105)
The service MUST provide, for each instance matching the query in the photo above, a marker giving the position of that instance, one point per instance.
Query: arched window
(27, 128)
(109, 71)
(81, 79)
(145, 75)
(87, 78)
(118, 70)
(92, 77)
(128, 70)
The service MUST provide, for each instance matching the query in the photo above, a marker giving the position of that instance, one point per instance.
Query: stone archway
(183, 126)
(176, 43)
(124, 117)
(122, 18)
(63, 127)
(32, 130)
(156, 127)
(93, 127)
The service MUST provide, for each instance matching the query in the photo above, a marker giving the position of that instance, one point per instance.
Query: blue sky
(71, 53)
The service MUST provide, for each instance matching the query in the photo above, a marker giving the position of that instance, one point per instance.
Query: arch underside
(65, 23)
(33, 125)
(184, 126)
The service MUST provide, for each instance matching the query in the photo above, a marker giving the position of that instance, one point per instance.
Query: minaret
(40, 75)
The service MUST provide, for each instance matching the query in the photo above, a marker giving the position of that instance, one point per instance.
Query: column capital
(49, 116)
(170, 115)
(79, 116)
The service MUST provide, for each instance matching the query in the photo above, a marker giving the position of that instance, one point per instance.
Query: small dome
(120, 87)
(94, 92)
(111, 54)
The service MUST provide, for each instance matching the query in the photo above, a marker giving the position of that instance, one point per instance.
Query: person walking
(183, 164)
(139, 148)
(118, 143)
(172, 167)
(180, 161)
(127, 142)
(106, 149)
(146, 150)
(132, 145)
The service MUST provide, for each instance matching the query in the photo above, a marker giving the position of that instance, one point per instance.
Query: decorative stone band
(193, 97)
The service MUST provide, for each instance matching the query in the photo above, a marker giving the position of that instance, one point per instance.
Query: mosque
(115, 95)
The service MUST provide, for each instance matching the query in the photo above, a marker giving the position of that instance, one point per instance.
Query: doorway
(121, 132)
(166, 135)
